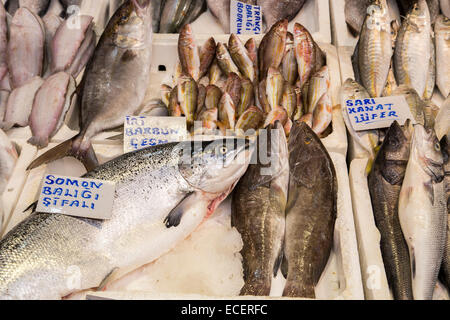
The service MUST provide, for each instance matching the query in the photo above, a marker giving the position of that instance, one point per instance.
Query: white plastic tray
(340, 280)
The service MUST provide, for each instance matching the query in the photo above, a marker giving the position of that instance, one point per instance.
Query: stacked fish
(238, 86)
(392, 59)
(285, 212)
(406, 181)
(39, 61)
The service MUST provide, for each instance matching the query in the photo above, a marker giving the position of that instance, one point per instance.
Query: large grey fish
(173, 15)
(114, 82)
(310, 212)
(445, 268)
(8, 159)
(412, 48)
(374, 49)
(423, 211)
(276, 10)
(157, 8)
(258, 211)
(197, 7)
(442, 40)
(385, 181)
(162, 194)
(355, 12)
(433, 7)
(221, 10)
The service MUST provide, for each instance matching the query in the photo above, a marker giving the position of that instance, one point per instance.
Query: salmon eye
(223, 150)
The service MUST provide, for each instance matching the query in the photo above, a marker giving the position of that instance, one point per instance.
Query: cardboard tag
(245, 18)
(142, 132)
(73, 196)
(377, 113)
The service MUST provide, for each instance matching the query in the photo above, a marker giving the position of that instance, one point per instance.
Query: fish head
(419, 16)
(353, 90)
(394, 153)
(132, 25)
(214, 167)
(280, 28)
(427, 152)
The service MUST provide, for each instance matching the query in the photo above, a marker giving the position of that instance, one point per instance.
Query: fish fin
(173, 219)
(111, 276)
(89, 159)
(39, 142)
(31, 206)
(413, 263)
(284, 267)
(279, 260)
(429, 190)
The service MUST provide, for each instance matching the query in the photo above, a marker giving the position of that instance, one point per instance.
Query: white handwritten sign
(80, 197)
(375, 113)
(245, 18)
(142, 132)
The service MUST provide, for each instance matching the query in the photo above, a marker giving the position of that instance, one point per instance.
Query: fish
(214, 73)
(322, 114)
(445, 268)
(213, 95)
(207, 54)
(445, 8)
(441, 125)
(3, 37)
(374, 49)
(174, 105)
(195, 10)
(221, 10)
(274, 87)
(251, 119)
(318, 85)
(50, 105)
(38, 7)
(416, 104)
(25, 47)
(227, 111)
(4, 96)
(355, 12)
(272, 47)
(225, 61)
(240, 56)
(8, 160)
(258, 211)
(154, 108)
(423, 211)
(51, 24)
(430, 111)
(68, 41)
(173, 14)
(262, 96)
(252, 51)
(289, 66)
(233, 86)
(276, 10)
(20, 103)
(247, 97)
(114, 82)
(442, 41)
(276, 114)
(308, 54)
(385, 181)
(201, 98)
(188, 53)
(412, 49)
(187, 97)
(289, 99)
(209, 118)
(172, 188)
(310, 212)
(165, 94)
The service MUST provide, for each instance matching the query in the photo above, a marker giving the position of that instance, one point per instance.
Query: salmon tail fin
(256, 288)
(65, 149)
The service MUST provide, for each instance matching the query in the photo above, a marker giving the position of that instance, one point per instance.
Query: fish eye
(308, 140)
(437, 146)
(223, 150)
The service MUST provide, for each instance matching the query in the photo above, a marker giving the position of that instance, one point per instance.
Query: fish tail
(256, 288)
(66, 149)
(299, 289)
(39, 142)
